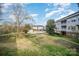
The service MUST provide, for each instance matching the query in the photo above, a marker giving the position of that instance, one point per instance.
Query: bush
(27, 28)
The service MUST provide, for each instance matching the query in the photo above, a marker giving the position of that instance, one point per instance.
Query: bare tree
(1, 6)
(19, 16)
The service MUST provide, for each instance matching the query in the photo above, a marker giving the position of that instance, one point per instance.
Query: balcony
(63, 28)
(63, 21)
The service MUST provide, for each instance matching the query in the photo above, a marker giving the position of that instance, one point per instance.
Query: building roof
(38, 26)
(69, 16)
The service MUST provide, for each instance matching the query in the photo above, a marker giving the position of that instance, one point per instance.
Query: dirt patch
(25, 43)
(44, 39)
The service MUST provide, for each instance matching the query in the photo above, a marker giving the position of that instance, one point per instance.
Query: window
(78, 19)
(73, 27)
(78, 27)
(73, 20)
(69, 28)
(64, 21)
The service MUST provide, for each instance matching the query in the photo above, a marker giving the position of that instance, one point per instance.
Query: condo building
(68, 25)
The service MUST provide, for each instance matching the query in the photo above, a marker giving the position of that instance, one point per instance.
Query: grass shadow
(69, 45)
(8, 46)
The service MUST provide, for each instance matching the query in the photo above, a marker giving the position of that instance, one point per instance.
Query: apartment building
(68, 25)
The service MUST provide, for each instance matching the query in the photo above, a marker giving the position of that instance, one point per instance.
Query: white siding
(58, 27)
(70, 23)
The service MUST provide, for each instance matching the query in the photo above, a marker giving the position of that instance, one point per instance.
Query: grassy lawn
(38, 45)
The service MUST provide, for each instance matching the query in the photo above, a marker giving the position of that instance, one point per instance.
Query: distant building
(68, 25)
(37, 29)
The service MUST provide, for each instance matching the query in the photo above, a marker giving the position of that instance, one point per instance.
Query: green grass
(43, 50)
(7, 51)
(73, 39)
(66, 38)
(58, 50)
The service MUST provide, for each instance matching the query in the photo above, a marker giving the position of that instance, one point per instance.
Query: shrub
(27, 28)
